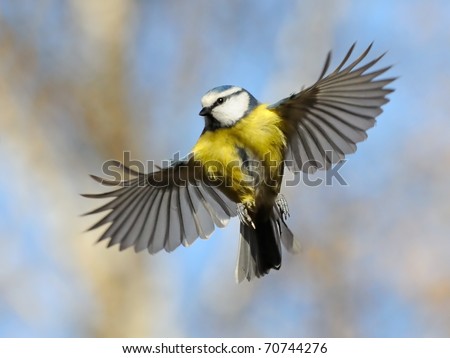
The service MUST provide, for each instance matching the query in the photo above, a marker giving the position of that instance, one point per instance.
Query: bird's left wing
(163, 209)
(324, 122)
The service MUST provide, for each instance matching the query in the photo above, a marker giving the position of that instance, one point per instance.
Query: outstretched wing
(324, 122)
(163, 209)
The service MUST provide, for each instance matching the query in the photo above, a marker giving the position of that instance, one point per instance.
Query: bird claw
(282, 206)
(244, 216)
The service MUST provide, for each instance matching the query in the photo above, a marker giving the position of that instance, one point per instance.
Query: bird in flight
(236, 167)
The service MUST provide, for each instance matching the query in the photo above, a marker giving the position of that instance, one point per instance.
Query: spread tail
(260, 248)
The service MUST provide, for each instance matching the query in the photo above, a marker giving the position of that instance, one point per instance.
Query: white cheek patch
(232, 110)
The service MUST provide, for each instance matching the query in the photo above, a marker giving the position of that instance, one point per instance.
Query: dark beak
(205, 111)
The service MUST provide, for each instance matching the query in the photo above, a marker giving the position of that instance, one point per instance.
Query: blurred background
(81, 81)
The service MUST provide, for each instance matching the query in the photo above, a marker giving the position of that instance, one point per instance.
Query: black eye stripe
(221, 100)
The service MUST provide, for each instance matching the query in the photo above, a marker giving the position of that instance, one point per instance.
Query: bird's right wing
(163, 209)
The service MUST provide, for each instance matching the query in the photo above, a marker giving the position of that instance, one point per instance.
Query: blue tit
(236, 167)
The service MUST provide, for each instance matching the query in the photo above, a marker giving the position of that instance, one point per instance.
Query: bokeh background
(81, 81)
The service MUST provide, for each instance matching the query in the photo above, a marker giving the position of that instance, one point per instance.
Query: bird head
(225, 105)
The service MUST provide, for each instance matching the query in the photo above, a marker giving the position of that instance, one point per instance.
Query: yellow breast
(258, 133)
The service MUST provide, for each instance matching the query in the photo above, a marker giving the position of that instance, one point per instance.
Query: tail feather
(260, 248)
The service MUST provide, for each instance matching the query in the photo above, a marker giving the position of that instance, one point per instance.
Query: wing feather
(161, 210)
(158, 237)
(139, 227)
(174, 223)
(324, 122)
(130, 225)
(189, 225)
(144, 241)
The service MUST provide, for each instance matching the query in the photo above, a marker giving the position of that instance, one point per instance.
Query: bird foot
(283, 206)
(244, 216)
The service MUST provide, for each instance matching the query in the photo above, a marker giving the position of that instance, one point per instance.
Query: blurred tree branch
(98, 94)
